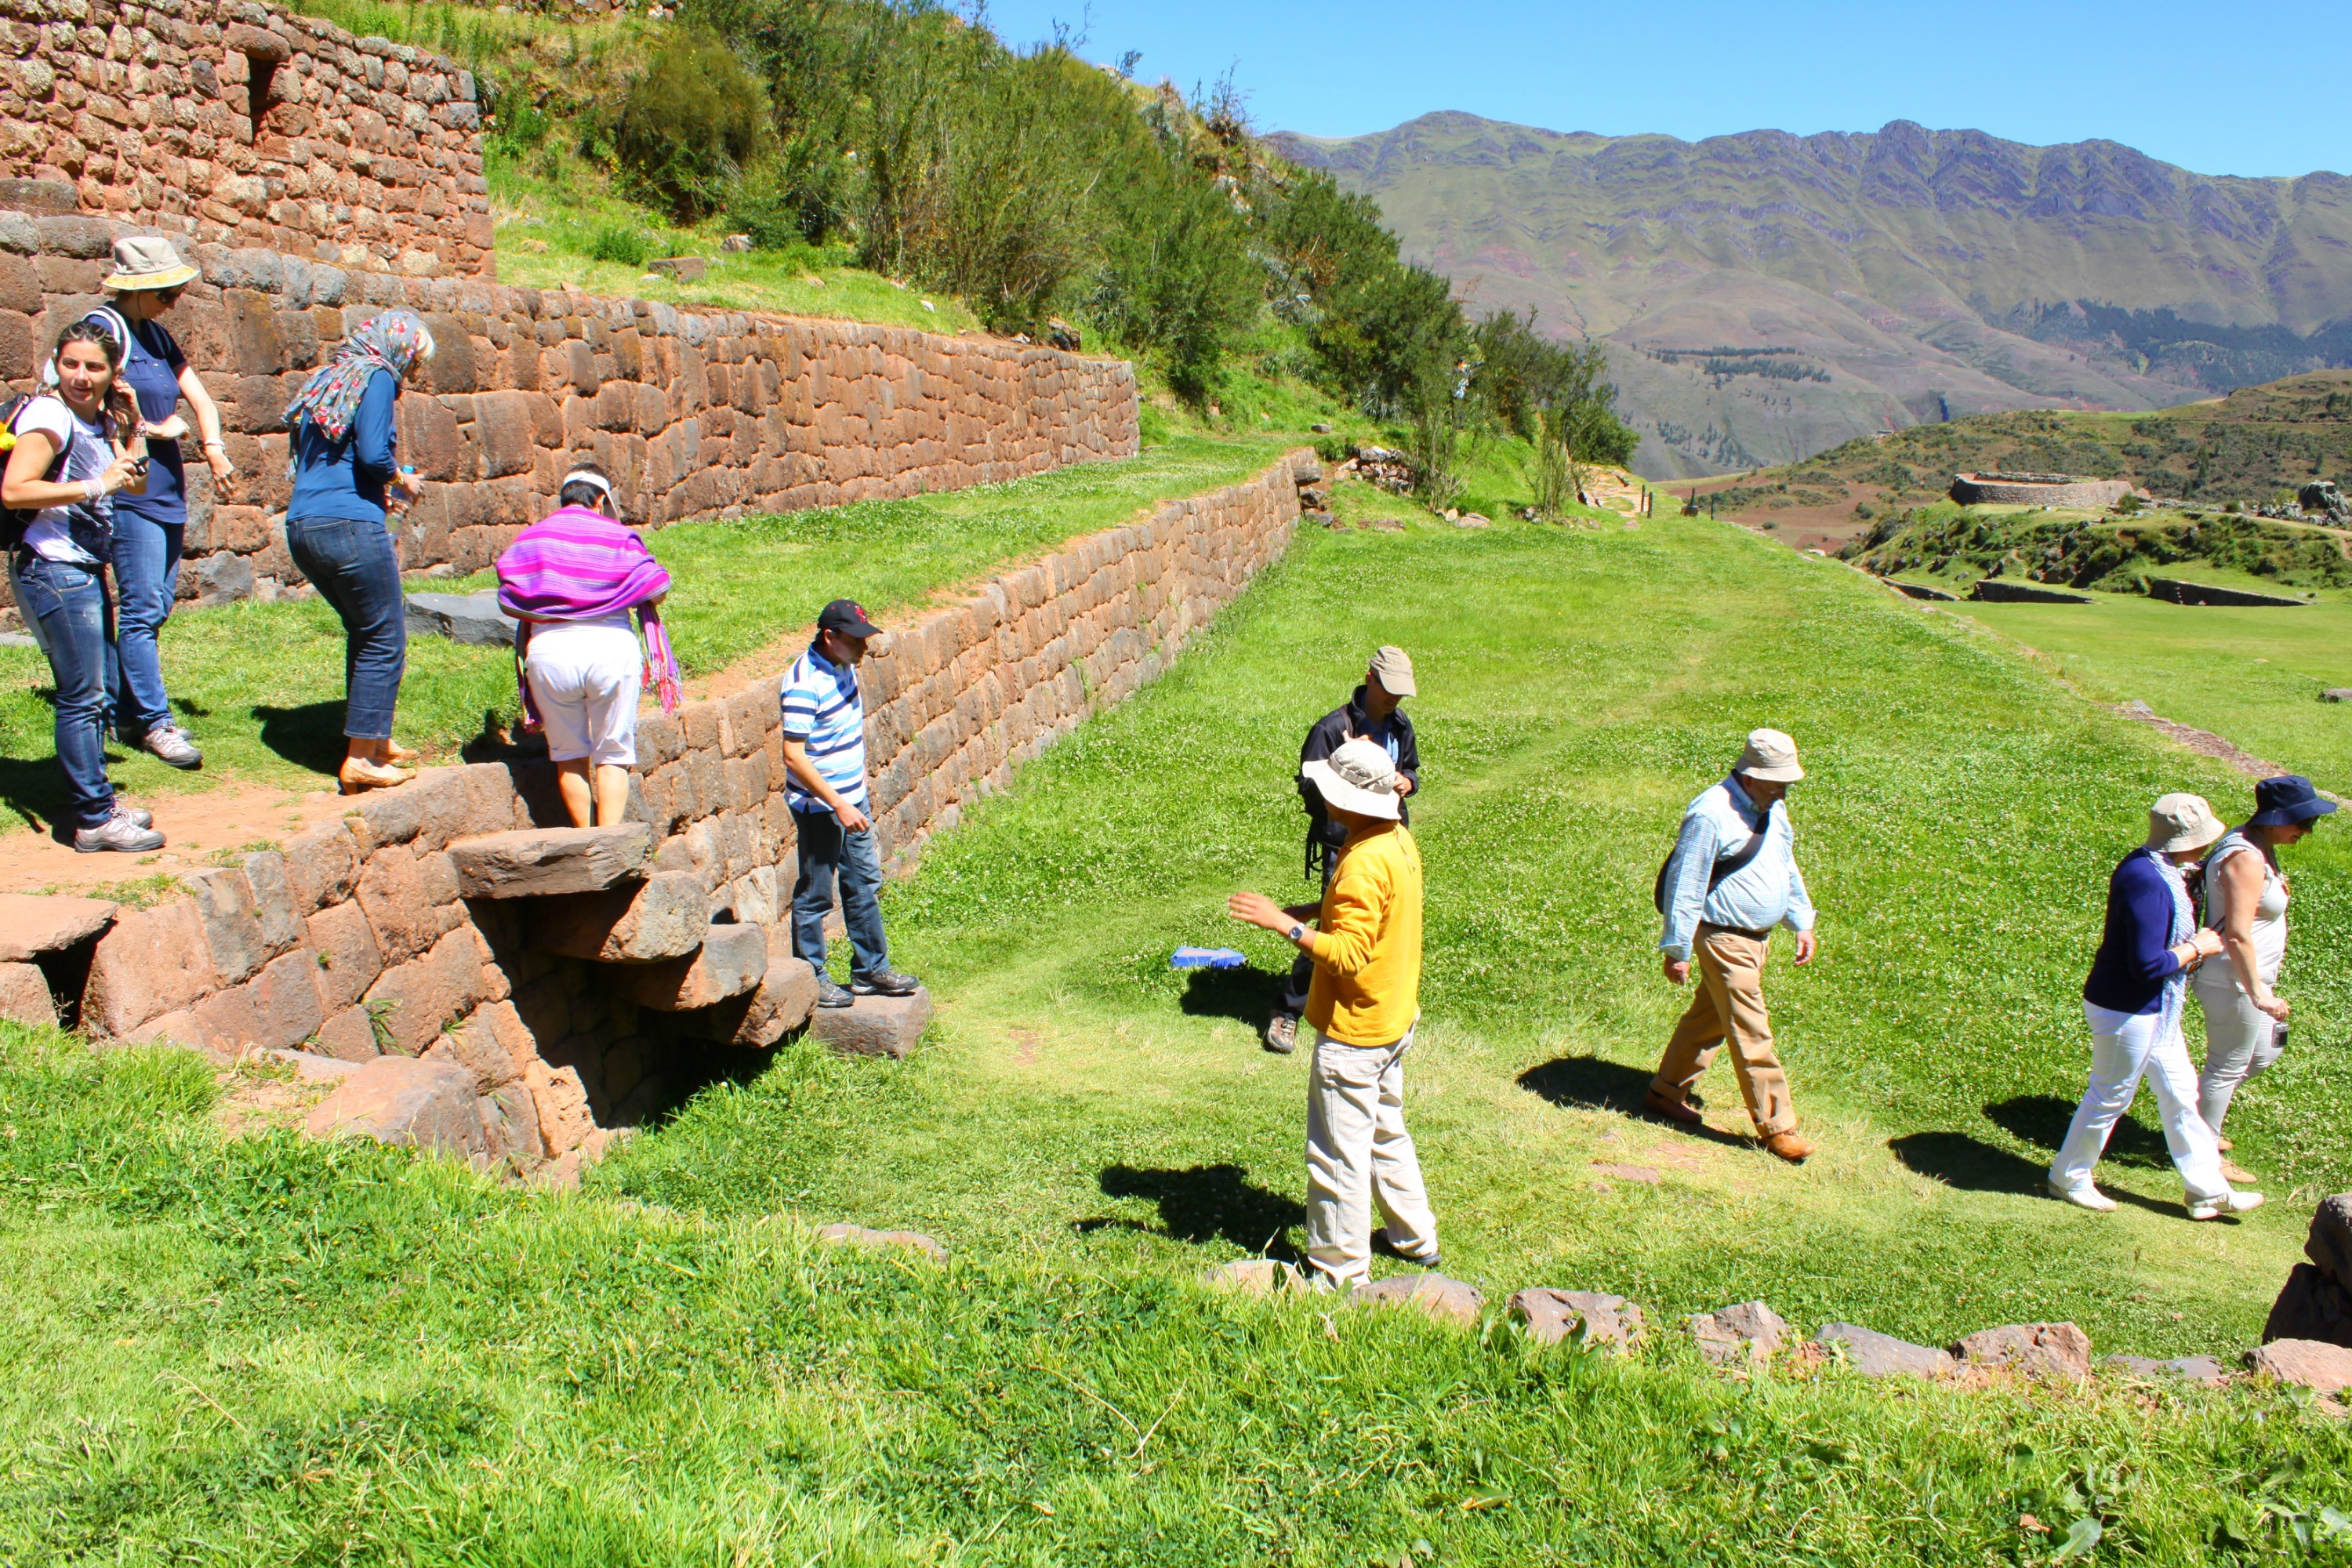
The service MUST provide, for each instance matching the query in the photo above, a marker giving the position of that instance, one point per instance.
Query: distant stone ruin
(2322, 502)
(2038, 490)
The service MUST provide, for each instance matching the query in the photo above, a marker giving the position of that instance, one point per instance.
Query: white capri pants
(2240, 1040)
(1360, 1154)
(585, 679)
(2125, 1046)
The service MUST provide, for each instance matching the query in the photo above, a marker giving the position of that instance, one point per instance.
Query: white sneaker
(2228, 1203)
(119, 834)
(170, 743)
(143, 818)
(2086, 1196)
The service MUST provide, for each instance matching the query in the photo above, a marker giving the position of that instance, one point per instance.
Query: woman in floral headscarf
(343, 459)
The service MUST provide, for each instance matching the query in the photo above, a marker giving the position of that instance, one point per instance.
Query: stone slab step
(761, 1017)
(537, 862)
(874, 1025)
(731, 960)
(471, 618)
(31, 925)
(663, 917)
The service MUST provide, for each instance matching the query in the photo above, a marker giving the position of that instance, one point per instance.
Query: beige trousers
(1358, 1155)
(1728, 1002)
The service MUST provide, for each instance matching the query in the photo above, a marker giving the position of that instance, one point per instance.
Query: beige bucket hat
(2182, 822)
(1392, 667)
(1359, 777)
(147, 261)
(1771, 756)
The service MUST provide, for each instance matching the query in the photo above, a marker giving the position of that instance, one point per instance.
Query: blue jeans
(355, 568)
(146, 573)
(829, 856)
(71, 605)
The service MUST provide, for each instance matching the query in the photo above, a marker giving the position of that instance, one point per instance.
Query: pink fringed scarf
(580, 565)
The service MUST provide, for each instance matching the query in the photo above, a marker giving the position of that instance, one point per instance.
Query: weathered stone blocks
(664, 917)
(395, 1099)
(25, 994)
(30, 926)
(1551, 1315)
(1442, 1299)
(731, 960)
(537, 862)
(149, 963)
(1875, 1355)
(874, 1025)
(1748, 1334)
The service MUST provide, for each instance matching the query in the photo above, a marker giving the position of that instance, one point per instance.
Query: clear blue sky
(2252, 86)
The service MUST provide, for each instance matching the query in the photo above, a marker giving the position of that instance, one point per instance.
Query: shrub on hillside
(619, 242)
(693, 121)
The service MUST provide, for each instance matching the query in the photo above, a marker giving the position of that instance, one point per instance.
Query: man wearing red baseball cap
(825, 785)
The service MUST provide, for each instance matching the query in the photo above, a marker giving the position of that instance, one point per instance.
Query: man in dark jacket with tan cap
(1732, 878)
(1373, 713)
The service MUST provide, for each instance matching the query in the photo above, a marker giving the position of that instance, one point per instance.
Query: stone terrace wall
(1971, 489)
(351, 939)
(230, 123)
(697, 414)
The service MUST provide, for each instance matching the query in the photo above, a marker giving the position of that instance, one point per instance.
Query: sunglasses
(170, 296)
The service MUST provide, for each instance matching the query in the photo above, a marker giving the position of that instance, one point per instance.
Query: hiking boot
(117, 833)
(2086, 1196)
(829, 994)
(1381, 1243)
(885, 982)
(142, 817)
(1788, 1146)
(170, 743)
(1666, 1109)
(2228, 1203)
(1282, 1034)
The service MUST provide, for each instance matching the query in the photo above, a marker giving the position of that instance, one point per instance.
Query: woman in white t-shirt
(73, 453)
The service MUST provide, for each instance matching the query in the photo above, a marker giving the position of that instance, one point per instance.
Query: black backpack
(1730, 867)
(13, 523)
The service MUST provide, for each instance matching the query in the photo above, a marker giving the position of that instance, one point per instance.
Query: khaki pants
(1359, 1154)
(1728, 1000)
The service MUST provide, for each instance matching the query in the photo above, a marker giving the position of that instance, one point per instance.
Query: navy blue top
(2136, 956)
(151, 369)
(346, 478)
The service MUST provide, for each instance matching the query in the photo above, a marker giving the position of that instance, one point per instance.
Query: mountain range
(1766, 296)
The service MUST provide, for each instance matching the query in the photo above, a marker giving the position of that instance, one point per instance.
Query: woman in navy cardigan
(2133, 1000)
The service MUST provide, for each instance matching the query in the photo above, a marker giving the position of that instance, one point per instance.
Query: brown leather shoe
(357, 776)
(1677, 1110)
(1788, 1146)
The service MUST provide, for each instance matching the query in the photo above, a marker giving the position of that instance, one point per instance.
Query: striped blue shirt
(823, 712)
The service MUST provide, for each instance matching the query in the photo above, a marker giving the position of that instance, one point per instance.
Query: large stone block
(2311, 1306)
(1746, 1335)
(1444, 1301)
(782, 1002)
(2327, 1369)
(2057, 1351)
(664, 917)
(348, 956)
(409, 1004)
(533, 862)
(1875, 1355)
(473, 619)
(150, 963)
(731, 961)
(223, 901)
(274, 906)
(31, 926)
(1552, 1316)
(396, 1099)
(2329, 1244)
(25, 995)
(874, 1025)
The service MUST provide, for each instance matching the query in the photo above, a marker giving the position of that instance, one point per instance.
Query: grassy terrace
(257, 1351)
(261, 685)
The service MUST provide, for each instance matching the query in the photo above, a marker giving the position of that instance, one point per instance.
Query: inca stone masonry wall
(226, 121)
(697, 415)
(1970, 490)
(352, 940)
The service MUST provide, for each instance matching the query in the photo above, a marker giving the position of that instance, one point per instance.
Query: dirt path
(228, 818)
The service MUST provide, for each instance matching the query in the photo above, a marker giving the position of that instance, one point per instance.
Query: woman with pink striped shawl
(571, 580)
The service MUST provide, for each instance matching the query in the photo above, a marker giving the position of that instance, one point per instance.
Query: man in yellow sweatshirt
(1363, 1004)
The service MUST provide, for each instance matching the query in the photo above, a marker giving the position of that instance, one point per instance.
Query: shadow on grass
(33, 792)
(1594, 1083)
(1205, 1202)
(2040, 1119)
(311, 736)
(1247, 994)
(1972, 1164)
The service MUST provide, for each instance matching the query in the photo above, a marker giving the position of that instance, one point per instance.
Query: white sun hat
(2180, 822)
(1357, 777)
(1771, 756)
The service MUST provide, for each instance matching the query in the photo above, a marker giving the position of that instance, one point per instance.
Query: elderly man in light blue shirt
(1733, 877)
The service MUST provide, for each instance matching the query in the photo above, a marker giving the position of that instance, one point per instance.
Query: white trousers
(2126, 1046)
(2240, 1040)
(585, 679)
(1358, 1155)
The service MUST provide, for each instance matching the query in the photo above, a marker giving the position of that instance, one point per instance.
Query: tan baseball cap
(2180, 822)
(147, 261)
(1357, 776)
(1771, 756)
(1394, 667)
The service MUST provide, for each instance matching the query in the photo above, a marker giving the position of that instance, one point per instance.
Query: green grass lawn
(259, 1351)
(261, 685)
(2251, 675)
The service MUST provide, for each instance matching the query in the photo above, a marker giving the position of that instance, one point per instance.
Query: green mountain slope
(1901, 276)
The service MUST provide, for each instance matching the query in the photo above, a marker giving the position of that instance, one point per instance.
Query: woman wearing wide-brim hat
(2245, 900)
(2133, 1000)
(150, 530)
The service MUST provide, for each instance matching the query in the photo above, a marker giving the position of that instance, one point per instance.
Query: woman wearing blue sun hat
(2245, 900)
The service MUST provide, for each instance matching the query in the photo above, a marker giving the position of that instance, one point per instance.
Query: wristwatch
(1297, 931)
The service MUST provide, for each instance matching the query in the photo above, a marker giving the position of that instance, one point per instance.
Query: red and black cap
(847, 617)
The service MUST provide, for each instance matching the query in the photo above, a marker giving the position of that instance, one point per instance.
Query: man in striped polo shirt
(824, 784)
